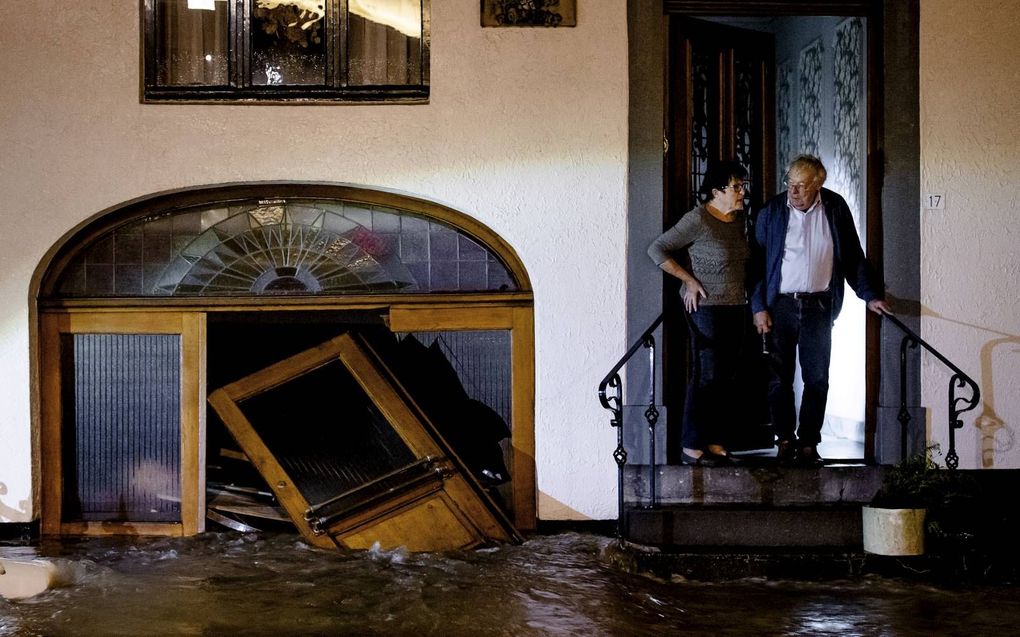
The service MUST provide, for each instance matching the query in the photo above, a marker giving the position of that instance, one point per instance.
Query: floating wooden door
(351, 458)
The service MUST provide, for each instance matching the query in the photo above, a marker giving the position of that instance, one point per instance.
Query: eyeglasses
(798, 186)
(744, 187)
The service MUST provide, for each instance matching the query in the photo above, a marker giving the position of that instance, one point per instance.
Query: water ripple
(253, 584)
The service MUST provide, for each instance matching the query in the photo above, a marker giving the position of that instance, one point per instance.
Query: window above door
(286, 50)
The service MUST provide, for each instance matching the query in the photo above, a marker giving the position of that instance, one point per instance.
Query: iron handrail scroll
(957, 404)
(614, 404)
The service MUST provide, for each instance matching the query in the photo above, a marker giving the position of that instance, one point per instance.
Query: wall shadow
(995, 433)
(9, 513)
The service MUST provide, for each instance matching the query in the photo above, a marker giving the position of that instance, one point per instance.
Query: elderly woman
(713, 237)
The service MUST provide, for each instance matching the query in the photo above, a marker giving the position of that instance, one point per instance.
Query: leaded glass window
(282, 247)
(746, 118)
(701, 78)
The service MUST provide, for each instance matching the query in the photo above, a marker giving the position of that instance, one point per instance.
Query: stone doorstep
(767, 485)
(743, 526)
(722, 564)
(739, 563)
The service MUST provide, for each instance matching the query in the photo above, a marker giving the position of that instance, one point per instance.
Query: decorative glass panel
(384, 42)
(784, 122)
(288, 43)
(462, 380)
(811, 97)
(122, 427)
(482, 362)
(745, 118)
(849, 89)
(276, 247)
(191, 42)
(701, 79)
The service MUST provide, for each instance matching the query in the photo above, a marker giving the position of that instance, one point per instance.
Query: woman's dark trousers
(717, 336)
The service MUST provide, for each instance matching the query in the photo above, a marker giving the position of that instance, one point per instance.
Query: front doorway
(762, 89)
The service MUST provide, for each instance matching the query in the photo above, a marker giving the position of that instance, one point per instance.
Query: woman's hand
(694, 290)
(762, 322)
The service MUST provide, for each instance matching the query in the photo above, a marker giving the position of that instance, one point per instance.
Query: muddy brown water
(258, 584)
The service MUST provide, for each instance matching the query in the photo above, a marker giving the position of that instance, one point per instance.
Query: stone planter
(893, 531)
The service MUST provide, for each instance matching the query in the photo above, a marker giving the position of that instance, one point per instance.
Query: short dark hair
(718, 176)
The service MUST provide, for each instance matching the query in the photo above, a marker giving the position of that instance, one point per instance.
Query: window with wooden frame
(122, 422)
(286, 50)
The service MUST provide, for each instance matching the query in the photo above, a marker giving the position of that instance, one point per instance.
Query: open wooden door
(719, 105)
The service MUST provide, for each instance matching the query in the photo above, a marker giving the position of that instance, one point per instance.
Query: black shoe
(707, 459)
(787, 454)
(809, 457)
(723, 460)
(710, 459)
(689, 460)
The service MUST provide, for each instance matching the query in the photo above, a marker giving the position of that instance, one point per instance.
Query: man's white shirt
(807, 255)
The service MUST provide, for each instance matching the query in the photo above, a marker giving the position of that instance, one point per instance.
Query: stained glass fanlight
(282, 247)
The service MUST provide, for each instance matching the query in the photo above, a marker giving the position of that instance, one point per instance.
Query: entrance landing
(761, 506)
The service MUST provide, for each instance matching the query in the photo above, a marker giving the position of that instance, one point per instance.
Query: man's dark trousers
(803, 321)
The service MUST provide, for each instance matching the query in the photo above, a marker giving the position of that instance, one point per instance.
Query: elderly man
(805, 246)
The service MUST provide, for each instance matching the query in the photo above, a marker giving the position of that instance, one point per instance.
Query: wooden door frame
(403, 313)
(873, 10)
(509, 310)
(677, 113)
(190, 326)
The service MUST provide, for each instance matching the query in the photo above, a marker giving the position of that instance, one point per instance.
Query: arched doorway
(142, 309)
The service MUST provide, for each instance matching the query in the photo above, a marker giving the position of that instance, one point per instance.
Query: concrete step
(739, 564)
(685, 526)
(755, 485)
(728, 523)
(755, 505)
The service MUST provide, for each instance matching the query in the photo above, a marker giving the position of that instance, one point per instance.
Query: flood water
(234, 584)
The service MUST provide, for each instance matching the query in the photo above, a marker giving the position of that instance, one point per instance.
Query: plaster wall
(526, 131)
(970, 273)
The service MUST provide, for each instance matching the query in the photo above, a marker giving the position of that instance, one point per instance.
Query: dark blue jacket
(769, 239)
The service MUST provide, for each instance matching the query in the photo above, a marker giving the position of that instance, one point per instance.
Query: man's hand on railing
(879, 306)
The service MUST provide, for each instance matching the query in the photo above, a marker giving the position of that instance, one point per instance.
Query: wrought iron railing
(957, 404)
(614, 404)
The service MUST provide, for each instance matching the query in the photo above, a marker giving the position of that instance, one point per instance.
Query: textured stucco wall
(970, 281)
(526, 131)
